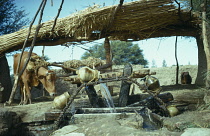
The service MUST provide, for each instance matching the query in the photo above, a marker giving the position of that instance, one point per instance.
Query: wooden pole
(125, 86)
(92, 95)
(107, 48)
(43, 90)
(205, 43)
(177, 63)
(202, 62)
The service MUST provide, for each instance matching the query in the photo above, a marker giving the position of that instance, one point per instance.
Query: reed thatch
(134, 20)
(90, 62)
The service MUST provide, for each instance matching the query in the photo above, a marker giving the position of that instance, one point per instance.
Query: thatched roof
(134, 20)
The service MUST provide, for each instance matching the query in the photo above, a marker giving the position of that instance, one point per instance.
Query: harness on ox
(35, 63)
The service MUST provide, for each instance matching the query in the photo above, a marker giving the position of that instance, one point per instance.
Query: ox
(32, 76)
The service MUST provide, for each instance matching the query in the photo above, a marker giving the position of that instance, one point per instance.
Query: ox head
(47, 78)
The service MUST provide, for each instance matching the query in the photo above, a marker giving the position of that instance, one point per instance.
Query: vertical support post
(43, 90)
(5, 81)
(202, 62)
(125, 87)
(107, 48)
(206, 43)
(92, 95)
(177, 63)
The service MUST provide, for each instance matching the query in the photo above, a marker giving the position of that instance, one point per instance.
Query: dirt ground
(191, 100)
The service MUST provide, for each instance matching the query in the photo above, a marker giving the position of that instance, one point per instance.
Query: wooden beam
(136, 74)
(54, 114)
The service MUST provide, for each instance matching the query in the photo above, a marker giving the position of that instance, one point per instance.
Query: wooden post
(107, 48)
(177, 64)
(206, 44)
(202, 62)
(92, 95)
(5, 81)
(125, 86)
(43, 90)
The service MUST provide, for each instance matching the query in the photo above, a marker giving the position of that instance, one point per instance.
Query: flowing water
(107, 97)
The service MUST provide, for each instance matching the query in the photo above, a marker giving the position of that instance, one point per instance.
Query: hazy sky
(157, 49)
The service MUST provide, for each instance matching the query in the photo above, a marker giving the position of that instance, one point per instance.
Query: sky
(154, 49)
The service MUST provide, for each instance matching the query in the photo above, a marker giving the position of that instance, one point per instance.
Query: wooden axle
(136, 74)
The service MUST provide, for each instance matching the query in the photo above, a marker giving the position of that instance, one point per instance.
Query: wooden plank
(52, 115)
(82, 118)
(55, 114)
(107, 110)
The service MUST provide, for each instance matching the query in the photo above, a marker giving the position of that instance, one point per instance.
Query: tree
(122, 53)
(164, 63)
(11, 19)
(46, 58)
(196, 5)
(153, 64)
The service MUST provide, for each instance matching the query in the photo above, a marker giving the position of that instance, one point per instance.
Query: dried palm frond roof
(134, 20)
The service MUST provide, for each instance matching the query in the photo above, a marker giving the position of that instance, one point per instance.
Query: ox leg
(27, 93)
(22, 96)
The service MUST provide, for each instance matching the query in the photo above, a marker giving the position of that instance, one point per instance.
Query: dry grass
(90, 62)
(140, 18)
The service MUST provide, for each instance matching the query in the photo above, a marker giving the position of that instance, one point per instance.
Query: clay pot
(87, 74)
(61, 101)
(173, 111)
(152, 83)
